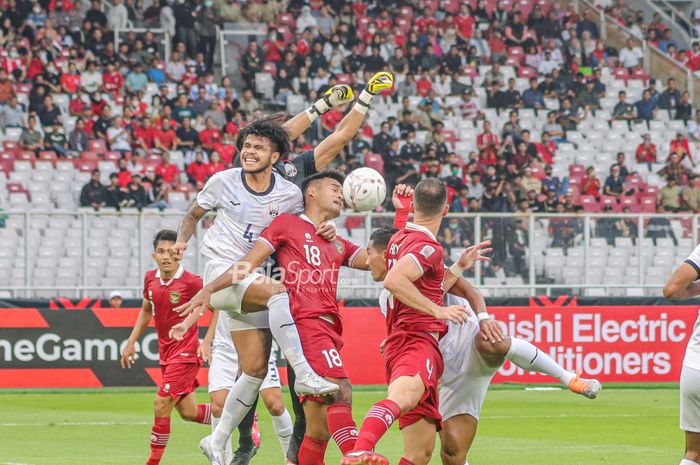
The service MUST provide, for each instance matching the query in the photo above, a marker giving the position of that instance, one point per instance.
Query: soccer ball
(364, 189)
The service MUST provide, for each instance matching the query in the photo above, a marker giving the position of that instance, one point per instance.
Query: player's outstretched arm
(186, 229)
(399, 281)
(234, 275)
(333, 97)
(683, 283)
(327, 150)
(129, 352)
(490, 329)
(204, 350)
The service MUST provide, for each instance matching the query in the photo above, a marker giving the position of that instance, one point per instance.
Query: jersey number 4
(313, 255)
(247, 234)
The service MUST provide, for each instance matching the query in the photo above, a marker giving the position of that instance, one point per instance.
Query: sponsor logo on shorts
(166, 387)
(174, 297)
(429, 368)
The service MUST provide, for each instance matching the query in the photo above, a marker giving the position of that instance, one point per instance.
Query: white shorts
(231, 298)
(223, 371)
(466, 377)
(690, 400)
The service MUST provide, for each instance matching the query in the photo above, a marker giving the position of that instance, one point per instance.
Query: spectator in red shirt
(330, 120)
(591, 183)
(424, 85)
(427, 18)
(273, 45)
(680, 146)
(215, 165)
(209, 136)
(198, 171)
(646, 152)
(77, 104)
(35, 67)
(464, 22)
(112, 80)
(70, 81)
(547, 148)
(144, 135)
(226, 149)
(169, 172)
(489, 145)
(165, 138)
(123, 173)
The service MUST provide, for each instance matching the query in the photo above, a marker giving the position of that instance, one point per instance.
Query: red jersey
(423, 87)
(70, 82)
(198, 171)
(164, 296)
(310, 264)
(332, 118)
(465, 26)
(213, 168)
(113, 83)
(420, 245)
(167, 138)
(226, 152)
(146, 134)
(209, 137)
(168, 172)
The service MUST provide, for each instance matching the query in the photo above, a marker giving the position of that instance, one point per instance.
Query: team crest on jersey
(427, 251)
(307, 236)
(273, 209)
(338, 246)
(290, 170)
(174, 297)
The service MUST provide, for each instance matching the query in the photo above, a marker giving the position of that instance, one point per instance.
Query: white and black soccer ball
(364, 189)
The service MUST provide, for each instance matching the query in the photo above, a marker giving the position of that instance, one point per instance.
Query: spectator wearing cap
(115, 299)
(136, 80)
(13, 114)
(31, 138)
(93, 193)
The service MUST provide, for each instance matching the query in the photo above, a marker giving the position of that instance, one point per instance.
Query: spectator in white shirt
(118, 16)
(91, 79)
(118, 136)
(547, 65)
(631, 56)
(306, 19)
(175, 69)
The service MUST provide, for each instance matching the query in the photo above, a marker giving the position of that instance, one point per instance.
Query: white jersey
(456, 336)
(242, 213)
(692, 352)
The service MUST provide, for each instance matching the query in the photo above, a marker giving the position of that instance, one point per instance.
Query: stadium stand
(521, 107)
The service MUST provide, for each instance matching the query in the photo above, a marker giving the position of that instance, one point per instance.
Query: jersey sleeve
(694, 260)
(351, 251)
(274, 236)
(208, 197)
(145, 287)
(426, 256)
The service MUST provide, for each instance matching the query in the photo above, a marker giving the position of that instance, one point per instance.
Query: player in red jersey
(309, 267)
(415, 322)
(163, 290)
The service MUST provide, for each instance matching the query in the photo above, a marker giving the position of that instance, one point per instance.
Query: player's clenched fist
(454, 313)
(128, 355)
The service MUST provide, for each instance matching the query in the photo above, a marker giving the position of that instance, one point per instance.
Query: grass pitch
(626, 425)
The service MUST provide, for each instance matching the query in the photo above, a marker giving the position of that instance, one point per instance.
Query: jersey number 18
(313, 254)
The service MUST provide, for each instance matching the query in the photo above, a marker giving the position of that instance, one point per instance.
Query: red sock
(342, 427)
(377, 422)
(203, 414)
(404, 461)
(311, 451)
(159, 439)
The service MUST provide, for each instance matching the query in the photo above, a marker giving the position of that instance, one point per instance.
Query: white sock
(284, 330)
(228, 448)
(530, 358)
(688, 462)
(238, 402)
(283, 426)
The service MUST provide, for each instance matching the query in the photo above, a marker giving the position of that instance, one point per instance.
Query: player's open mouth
(250, 159)
(339, 204)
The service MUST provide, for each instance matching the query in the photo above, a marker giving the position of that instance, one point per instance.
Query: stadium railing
(88, 253)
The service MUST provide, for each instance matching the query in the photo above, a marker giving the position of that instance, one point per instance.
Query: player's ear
(275, 157)
(447, 209)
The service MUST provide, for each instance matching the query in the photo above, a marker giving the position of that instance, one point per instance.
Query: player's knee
(406, 401)
(216, 409)
(490, 350)
(275, 407)
(450, 453)
(161, 406)
(419, 457)
(256, 370)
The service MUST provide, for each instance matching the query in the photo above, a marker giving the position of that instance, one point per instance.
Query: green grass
(624, 426)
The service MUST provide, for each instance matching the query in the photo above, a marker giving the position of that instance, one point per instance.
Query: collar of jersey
(307, 219)
(178, 274)
(423, 229)
(260, 194)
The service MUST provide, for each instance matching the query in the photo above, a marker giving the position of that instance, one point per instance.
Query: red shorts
(322, 341)
(410, 354)
(179, 379)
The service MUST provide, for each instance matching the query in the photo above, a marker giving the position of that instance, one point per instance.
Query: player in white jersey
(247, 199)
(472, 352)
(223, 370)
(684, 284)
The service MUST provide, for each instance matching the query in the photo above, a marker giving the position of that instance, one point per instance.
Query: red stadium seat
(97, 145)
(363, 23)
(575, 194)
(621, 73)
(652, 190)
(15, 187)
(406, 13)
(49, 155)
(89, 156)
(639, 73)
(23, 88)
(10, 146)
(404, 25)
(112, 156)
(648, 204)
(270, 67)
(590, 204)
(609, 201)
(577, 171)
(85, 165)
(25, 155)
(470, 71)
(526, 72)
(631, 203)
